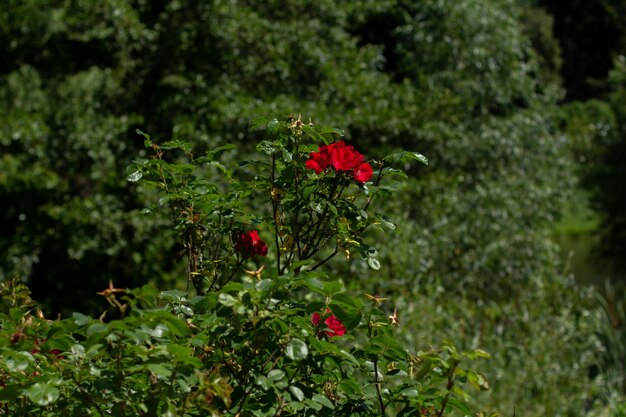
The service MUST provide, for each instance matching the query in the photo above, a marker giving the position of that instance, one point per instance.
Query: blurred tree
(608, 171)
(589, 33)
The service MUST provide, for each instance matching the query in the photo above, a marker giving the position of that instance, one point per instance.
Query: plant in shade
(261, 330)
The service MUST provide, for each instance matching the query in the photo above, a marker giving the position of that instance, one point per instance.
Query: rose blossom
(346, 158)
(342, 157)
(250, 244)
(363, 173)
(318, 161)
(335, 326)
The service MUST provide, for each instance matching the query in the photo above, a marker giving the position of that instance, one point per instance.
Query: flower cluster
(341, 157)
(250, 244)
(334, 325)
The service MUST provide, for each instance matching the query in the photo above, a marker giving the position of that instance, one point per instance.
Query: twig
(378, 390)
(328, 258)
(449, 388)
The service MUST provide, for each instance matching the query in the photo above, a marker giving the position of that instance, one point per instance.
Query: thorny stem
(378, 389)
(309, 251)
(376, 381)
(295, 222)
(275, 206)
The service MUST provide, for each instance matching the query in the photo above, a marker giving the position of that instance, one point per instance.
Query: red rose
(345, 158)
(334, 146)
(318, 161)
(335, 326)
(342, 157)
(250, 244)
(363, 173)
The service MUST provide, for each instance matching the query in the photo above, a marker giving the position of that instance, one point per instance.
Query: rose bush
(248, 336)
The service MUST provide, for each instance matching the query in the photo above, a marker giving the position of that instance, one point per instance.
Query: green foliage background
(473, 85)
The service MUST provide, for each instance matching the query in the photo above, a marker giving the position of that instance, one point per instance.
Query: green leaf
(460, 405)
(159, 370)
(322, 400)
(406, 156)
(227, 300)
(174, 324)
(260, 122)
(296, 350)
(266, 147)
(409, 392)
(264, 284)
(263, 382)
(327, 129)
(373, 263)
(183, 354)
(145, 135)
(313, 404)
(42, 393)
(273, 128)
(347, 300)
(177, 144)
(327, 288)
(81, 319)
(297, 392)
(350, 387)
(16, 361)
(78, 351)
(386, 222)
(275, 375)
(349, 316)
(134, 176)
(315, 135)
